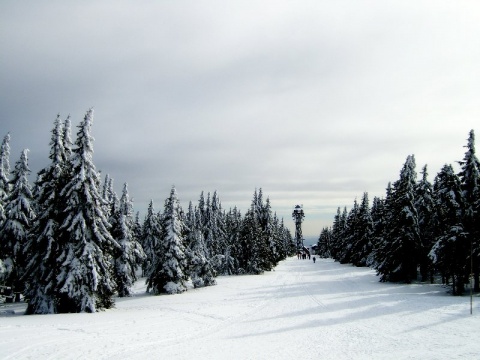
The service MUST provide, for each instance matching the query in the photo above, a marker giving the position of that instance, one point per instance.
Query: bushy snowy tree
(41, 250)
(250, 240)
(427, 222)
(323, 244)
(399, 256)
(169, 272)
(378, 220)
(201, 269)
(470, 180)
(151, 234)
(85, 281)
(233, 225)
(130, 254)
(4, 175)
(19, 216)
(449, 252)
(362, 246)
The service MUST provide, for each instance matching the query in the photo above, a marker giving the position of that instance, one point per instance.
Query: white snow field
(301, 310)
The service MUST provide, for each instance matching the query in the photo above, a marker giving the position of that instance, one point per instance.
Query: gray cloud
(315, 102)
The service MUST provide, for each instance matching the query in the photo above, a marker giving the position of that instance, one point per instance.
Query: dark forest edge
(419, 231)
(70, 244)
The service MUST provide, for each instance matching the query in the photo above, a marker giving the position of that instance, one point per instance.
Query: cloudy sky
(313, 101)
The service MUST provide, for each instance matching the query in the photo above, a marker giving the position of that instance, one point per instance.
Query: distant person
(314, 259)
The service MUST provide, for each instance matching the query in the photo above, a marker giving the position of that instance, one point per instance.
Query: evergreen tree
(201, 269)
(4, 175)
(378, 220)
(351, 234)
(323, 244)
(137, 229)
(425, 206)
(401, 248)
(151, 234)
(170, 268)
(19, 216)
(449, 253)
(470, 180)
(270, 257)
(85, 281)
(234, 249)
(250, 242)
(362, 247)
(67, 137)
(336, 236)
(130, 254)
(41, 250)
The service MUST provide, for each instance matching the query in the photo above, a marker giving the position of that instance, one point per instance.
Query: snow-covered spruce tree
(233, 223)
(41, 249)
(213, 226)
(278, 253)
(378, 220)
(270, 258)
(169, 272)
(130, 254)
(470, 180)
(337, 230)
(107, 194)
(449, 252)
(323, 244)
(427, 223)
(151, 234)
(219, 221)
(262, 219)
(137, 229)
(19, 216)
(67, 137)
(362, 247)
(85, 281)
(350, 234)
(382, 228)
(201, 269)
(4, 175)
(401, 248)
(250, 238)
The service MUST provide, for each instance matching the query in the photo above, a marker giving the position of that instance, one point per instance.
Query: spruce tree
(201, 269)
(85, 281)
(41, 250)
(336, 236)
(19, 216)
(234, 251)
(250, 239)
(151, 234)
(323, 244)
(470, 180)
(4, 175)
(130, 254)
(425, 206)
(401, 248)
(378, 221)
(362, 247)
(449, 252)
(170, 268)
(350, 234)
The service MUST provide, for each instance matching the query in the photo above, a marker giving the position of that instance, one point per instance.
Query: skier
(314, 259)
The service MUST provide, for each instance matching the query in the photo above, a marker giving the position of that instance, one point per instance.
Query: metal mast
(298, 216)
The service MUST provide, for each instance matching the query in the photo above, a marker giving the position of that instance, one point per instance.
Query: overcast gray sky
(313, 101)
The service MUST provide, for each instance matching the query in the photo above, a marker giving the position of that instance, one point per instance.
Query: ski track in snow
(301, 310)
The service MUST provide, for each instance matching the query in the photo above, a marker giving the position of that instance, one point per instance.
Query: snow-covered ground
(301, 310)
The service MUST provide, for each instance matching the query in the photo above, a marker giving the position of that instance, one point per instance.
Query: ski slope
(301, 310)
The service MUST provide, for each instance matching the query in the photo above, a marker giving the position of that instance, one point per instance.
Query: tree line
(419, 230)
(70, 244)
